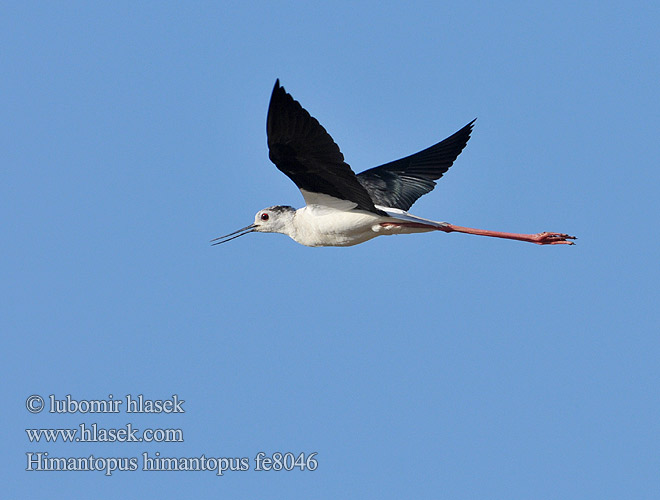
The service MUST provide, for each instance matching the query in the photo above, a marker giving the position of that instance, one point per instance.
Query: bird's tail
(412, 220)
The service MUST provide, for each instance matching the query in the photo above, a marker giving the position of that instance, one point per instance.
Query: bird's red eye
(264, 216)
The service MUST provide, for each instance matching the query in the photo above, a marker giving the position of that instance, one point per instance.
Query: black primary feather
(398, 184)
(303, 150)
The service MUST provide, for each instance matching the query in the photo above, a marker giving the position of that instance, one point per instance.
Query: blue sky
(424, 366)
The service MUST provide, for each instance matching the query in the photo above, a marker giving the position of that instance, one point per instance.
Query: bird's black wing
(302, 149)
(400, 183)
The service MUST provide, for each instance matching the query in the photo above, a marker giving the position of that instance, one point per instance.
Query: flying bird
(345, 209)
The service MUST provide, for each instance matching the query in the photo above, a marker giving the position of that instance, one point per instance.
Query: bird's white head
(276, 219)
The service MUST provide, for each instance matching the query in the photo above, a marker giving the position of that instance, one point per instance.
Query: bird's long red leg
(539, 239)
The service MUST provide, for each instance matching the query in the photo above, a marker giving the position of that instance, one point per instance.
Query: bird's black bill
(234, 235)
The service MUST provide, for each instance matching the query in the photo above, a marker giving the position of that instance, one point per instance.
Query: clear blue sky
(424, 366)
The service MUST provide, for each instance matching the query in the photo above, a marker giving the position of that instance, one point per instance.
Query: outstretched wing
(400, 183)
(302, 149)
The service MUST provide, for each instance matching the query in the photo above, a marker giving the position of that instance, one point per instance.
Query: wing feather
(398, 184)
(303, 150)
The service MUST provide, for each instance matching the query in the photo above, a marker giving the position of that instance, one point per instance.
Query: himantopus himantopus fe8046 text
(342, 208)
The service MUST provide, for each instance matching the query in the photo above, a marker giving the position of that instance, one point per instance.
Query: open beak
(234, 235)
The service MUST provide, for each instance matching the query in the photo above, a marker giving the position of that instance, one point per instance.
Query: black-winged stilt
(342, 208)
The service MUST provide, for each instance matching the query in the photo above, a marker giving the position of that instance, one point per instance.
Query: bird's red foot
(553, 239)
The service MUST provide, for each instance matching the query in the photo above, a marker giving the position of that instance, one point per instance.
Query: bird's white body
(328, 221)
(316, 226)
(322, 225)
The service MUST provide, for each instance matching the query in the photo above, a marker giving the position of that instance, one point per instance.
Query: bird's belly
(332, 228)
